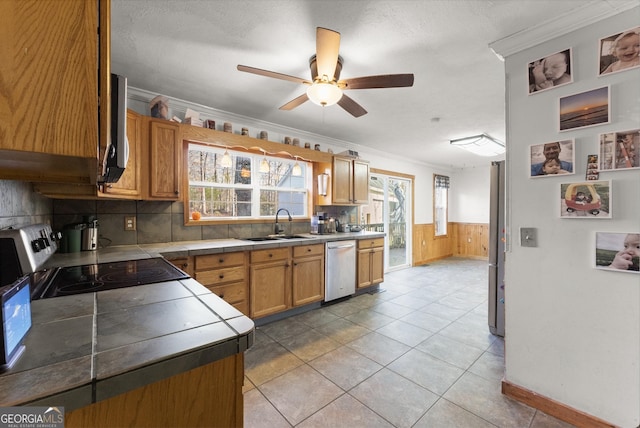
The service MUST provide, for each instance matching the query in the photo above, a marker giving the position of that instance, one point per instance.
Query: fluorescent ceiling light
(481, 145)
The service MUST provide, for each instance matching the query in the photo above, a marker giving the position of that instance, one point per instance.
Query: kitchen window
(227, 184)
(440, 204)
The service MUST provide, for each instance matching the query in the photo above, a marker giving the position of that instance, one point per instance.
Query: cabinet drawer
(269, 255)
(370, 243)
(308, 250)
(231, 293)
(219, 260)
(220, 276)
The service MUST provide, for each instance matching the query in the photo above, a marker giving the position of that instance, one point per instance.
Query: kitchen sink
(259, 238)
(273, 238)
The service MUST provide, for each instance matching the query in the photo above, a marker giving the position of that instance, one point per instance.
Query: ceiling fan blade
(295, 102)
(273, 74)
(327, 49)
(352, 107)
(382, 81)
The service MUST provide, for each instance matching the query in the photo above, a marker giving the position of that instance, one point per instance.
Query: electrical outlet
(129, 223)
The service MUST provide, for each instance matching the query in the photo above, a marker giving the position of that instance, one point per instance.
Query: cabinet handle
(308, 249)
(222, 295)
(221, 261)
(221, 276)
(186, 265)
(270, 255)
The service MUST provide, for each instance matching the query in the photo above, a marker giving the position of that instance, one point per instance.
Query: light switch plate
(528, 237)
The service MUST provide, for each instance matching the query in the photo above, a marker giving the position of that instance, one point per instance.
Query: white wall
(572, 332)
(469, 198)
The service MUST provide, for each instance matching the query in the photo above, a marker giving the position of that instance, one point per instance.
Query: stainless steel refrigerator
(496, 249)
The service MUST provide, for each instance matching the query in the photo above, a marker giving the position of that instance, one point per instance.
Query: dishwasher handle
(341, 246)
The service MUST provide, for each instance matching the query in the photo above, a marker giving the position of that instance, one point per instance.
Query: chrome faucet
(279, 229)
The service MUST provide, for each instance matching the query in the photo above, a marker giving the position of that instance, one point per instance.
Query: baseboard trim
(552, 407)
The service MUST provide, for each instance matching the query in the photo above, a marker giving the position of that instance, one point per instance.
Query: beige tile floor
(417, 354)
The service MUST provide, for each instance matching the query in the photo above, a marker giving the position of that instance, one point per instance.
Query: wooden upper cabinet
(349, 181)
(49, 77)
(360, 182)
(129, 185)
(165, 154)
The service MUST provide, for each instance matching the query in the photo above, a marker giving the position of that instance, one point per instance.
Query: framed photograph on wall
(550, 72)
(552, 158)
(617, 251)
(619, 52)
(619, 150)
(588, 108)
(589, 199)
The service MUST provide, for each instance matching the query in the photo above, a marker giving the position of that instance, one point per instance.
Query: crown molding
(581, 16)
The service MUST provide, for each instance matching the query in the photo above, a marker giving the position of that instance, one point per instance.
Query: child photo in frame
(588, 108)
(551, 71)
(618, 251)
(619, 150)
(590, 199)
(620, 52)
(552, 158)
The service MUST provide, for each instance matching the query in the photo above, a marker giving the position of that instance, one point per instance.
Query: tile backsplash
(20, 205)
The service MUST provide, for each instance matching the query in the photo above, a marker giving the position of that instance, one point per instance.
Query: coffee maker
(90, 235)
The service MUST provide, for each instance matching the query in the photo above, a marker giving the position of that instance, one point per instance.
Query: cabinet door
(360, 182)
(164, 161)
(270, 288)
(308, 280)
(341, 182)
(184, 263)
(377, 265)
(364, 268)
(129, 182)
(49, 74)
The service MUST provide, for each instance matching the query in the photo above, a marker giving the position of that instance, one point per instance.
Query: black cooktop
(66, 281)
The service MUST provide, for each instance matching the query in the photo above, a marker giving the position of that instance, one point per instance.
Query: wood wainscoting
(464, 240)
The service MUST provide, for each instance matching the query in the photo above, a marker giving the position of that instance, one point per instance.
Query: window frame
(436, 216)
(256, 155)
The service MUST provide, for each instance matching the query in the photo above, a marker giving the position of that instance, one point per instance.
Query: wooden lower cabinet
(207, 396)
(184, 263)
(308, 274)
(270, 277)
(370, 262)
(225, 274)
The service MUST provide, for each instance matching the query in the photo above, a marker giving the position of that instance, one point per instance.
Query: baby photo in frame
(589, 199)
(619, 150)
(617, 251)
(550, 72)
(588, 108)
(619, 52)
(552, 158)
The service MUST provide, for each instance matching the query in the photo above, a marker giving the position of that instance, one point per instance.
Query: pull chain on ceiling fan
(325, 88)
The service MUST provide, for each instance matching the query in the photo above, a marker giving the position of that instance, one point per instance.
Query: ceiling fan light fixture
(324, 93)
(482, 145)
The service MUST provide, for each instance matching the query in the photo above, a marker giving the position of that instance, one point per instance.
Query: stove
(66, 281)
(24, 250)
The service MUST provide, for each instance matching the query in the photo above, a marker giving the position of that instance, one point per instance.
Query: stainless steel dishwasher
(340, 265)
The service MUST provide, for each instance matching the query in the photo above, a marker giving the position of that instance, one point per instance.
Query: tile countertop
(89, 347)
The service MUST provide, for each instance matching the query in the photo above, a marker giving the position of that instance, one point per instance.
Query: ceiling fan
(325, 88)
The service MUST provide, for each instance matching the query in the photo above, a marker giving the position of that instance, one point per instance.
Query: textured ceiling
(189, 49)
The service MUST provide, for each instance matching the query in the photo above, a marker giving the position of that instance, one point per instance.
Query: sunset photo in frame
(550, 72)
(620, 150)
(617, 251)
(552, 159)
(588, 108)
(619, 52)
(584, 200)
